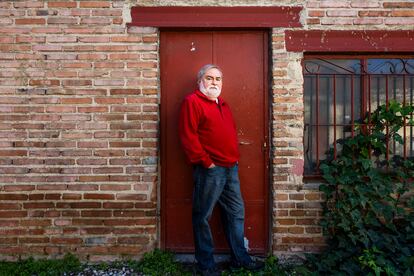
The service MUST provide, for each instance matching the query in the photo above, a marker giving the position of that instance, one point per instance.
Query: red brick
(333, 4)
(313, 196)
(371, 13)
(368, 21)
(125, 91)
(39, 205)
(306, 222)
(130, 39)
(393, 5)
(142, 65)
(96, 144)
(71, 196)
(150, 39)
(55, 240)
(93, 109)
(83, 187)
(109, 82)
(28, 4)
(8, 240)
(136, 231)
(107, 170)
(109, 100)
(10, 206)
(98, 231)
(95, 21)
(133, 240)
(296, 213)
(64, 4)
(30, 21)
(341, 13)
(296, 230)
(53, 187)
(403, 13)
(337, 21)
(87, 222)
(62, 20)
(13, 214)
(88, 205)
(118, 205)
(77, 82)
(91, 162)
(48, 82)
(124, 126)
(96, 213)
(99, 196)
(24, 240)
(297, 240)
(98, 178)
(19, 187)
(285, 221)
(313, 230)
(124, 144)
(115, 187)
(53, 196)
(95, 4)
(93, 56)
(137, 213)
(296, 196)
(110, 48)
(109, 153)
(95, 39)
(399, 21)
(109, 12)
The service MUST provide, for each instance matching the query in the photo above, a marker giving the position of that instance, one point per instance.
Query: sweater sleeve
(188, 129)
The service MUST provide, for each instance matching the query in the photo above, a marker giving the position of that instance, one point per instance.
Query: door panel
(242, 55)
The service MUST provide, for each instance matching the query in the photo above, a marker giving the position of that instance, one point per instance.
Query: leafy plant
(157, 263)
(272, 267)
(368, 214)
(31, 266)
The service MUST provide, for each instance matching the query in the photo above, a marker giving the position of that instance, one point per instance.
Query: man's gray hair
(205, 68)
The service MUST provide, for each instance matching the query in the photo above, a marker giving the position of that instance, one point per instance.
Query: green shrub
(31, 267)
(368, 217)
(272, 267)
(160, 263)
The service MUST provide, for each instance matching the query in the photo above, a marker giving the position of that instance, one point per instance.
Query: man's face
(211, 83)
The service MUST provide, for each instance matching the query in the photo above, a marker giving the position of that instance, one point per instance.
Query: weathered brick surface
(72, 98)
(357, 14)
(79, 124)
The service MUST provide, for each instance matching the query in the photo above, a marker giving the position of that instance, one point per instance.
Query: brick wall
(360, 14)
(79, 125)
(296, 204)
(78, 130)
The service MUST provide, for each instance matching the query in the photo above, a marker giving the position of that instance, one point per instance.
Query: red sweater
(207, 131)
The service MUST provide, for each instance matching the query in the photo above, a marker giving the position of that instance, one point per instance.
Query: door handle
(244, 143)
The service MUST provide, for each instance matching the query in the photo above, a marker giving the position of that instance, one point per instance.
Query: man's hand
(211, 166)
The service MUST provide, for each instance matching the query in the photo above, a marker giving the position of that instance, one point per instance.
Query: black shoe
(208, 272)
(252, 266)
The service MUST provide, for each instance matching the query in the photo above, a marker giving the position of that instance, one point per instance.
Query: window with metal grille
(339, 90)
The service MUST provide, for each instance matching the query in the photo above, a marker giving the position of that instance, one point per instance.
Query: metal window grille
(338, 91)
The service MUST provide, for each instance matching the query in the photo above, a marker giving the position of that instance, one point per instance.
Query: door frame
(268, 77)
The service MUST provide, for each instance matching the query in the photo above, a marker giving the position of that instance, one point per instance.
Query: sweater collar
(201, 95)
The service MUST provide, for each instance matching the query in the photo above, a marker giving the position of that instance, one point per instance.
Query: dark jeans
(222, 185)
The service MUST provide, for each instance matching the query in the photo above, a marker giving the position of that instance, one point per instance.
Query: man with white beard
(209, 138)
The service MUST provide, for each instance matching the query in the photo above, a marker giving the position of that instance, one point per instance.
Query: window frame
(364, 86)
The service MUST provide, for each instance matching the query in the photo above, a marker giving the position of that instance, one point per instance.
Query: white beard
(212, 92)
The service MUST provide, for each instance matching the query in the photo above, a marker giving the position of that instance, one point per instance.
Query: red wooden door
(242, 55)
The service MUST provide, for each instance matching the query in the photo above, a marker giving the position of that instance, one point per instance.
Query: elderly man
(209, 138)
